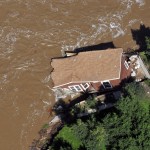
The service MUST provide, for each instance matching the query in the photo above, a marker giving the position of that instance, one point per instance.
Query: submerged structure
(91, 71)
(95, 71)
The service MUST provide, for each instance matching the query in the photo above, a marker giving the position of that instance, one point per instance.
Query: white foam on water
(42, 1)
(101, 28)
(140, 2)
(84, 39)
(9, 36)
(25, 65)
(48, 103)
(116, 29)
(127, 3)
(46, 79)
(53, 8)
(111, 23)
(4, 79)
(14, 14)
(132, 22)
(68, 1)
(84, 2)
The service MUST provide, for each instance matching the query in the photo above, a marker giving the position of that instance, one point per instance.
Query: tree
(91, 102)
(91, 134)
(130, 128)
(60, 144)
(80, 130)
(147, 39)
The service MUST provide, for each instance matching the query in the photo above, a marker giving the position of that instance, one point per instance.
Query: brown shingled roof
(87, 66)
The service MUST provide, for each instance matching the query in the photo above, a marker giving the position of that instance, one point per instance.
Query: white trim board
(80, 82)
(84, 87)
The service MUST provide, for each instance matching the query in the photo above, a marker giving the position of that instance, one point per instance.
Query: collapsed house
(91, 71)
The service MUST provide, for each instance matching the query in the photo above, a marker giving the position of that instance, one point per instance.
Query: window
(72, 88)
(78, 88)
(126, 65)
(106, 84)
(75, 88)
(85, 86)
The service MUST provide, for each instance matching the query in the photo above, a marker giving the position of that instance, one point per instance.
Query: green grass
(45, 126)
(67, 135)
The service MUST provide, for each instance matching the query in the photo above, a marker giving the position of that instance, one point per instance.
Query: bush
(147, 51)
(127, 128)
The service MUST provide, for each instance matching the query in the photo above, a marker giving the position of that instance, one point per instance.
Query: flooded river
(33, 31)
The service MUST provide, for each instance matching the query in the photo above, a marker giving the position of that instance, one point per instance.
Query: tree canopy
(126, 128)
(130, 128)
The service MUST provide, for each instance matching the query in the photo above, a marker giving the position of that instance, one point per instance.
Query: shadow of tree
(101, 46)
(60, 107)
(139, 36)
(60, 144)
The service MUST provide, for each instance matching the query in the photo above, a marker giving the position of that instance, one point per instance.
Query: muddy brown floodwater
(33, 31)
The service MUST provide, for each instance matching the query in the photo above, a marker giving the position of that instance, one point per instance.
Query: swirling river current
(34, 31)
